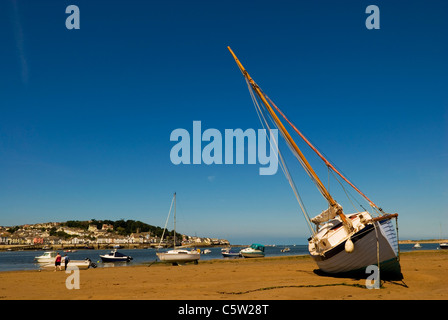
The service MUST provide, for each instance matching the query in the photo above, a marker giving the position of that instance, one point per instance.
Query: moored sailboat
(340, 243)
(176, 256)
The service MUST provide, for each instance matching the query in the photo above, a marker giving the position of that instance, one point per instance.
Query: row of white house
(135, 238)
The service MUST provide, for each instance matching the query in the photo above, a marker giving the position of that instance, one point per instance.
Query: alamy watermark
(189, 149)
(73, 20)
(373, 280)
(73, 280)
(373, 20)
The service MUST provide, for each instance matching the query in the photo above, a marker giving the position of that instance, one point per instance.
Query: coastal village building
(38, 241)
(107, 227)
(39, 235)
(92, 228)
(5, 238)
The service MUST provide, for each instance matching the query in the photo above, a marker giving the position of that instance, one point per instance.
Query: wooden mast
(280, 125)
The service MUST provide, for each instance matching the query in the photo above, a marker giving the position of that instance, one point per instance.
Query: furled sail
(326, 215)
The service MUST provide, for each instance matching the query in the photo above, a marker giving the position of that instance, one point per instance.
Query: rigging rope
(294, 152)
(319, 153)
(347, 193)
(166, 223)
(283, 165)
(377, 252)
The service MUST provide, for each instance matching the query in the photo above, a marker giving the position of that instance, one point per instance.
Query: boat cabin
(257, 246)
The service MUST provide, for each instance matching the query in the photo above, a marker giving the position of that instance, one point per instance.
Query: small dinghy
(227, 253)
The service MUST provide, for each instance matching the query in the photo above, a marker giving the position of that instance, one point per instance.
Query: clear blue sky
(86, 115)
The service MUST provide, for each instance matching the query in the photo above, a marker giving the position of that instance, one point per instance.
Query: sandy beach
(279, 278)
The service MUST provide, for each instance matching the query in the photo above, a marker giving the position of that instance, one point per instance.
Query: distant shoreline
(55, 247)
(423, 241)
(15, 247)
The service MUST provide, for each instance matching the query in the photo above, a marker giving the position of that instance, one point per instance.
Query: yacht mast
(174, 246)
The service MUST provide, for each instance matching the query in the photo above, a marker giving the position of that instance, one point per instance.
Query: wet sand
(279, 278)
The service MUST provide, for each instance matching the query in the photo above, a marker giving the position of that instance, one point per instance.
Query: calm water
(24, 260)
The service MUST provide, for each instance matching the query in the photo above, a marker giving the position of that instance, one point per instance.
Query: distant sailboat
(340, 243)
(176, 256)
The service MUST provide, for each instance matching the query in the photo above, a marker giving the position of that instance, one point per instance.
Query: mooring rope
(283, 165)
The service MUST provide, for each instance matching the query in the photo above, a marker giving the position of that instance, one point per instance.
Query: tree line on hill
(122, 227)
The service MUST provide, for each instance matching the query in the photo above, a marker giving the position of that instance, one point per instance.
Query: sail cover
(326, 215)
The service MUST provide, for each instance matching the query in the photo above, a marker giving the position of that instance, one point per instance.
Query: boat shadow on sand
(392, 278)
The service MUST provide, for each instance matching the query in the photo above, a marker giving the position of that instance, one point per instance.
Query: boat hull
(80, 264)
(45, 260)
(254, 251)
(231, 254)
(252, 254)
(115, 256)
(370, 246)
(106, 259)
(178, 257)
(47, 257)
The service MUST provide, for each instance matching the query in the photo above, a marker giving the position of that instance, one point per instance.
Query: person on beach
(66, 261)
(57, 262)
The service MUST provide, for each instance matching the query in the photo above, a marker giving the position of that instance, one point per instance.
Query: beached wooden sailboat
(340, 243)
(176, 256)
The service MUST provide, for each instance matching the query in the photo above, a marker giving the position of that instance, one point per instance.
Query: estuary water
(24, 260)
